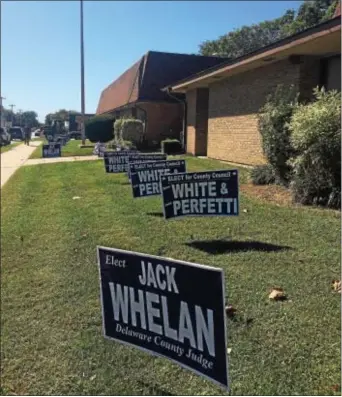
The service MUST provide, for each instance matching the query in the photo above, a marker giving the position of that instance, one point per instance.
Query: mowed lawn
(11, 146)
(51, 327)
(72, 148)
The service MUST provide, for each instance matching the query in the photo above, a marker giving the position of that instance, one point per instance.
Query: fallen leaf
(230, 311)
(336, 285)
(335, 387)
(277, 294)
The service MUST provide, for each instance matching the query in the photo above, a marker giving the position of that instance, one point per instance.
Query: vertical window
(331, 73)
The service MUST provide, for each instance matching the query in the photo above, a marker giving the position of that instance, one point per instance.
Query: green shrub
(171, 146)
(99, 128)
(132, 130)
(118, 130)
(263, 175)
(316, 136)
(128, 145)
(273, 121)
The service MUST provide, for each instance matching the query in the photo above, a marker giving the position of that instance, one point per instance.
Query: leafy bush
(316, 136)
(99, 128)
(128, 145)
(118, 130)
(132, 130)
(273, 121)
(171, 146)
(263, 175)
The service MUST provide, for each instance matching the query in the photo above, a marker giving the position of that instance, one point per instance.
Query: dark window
(331, 73)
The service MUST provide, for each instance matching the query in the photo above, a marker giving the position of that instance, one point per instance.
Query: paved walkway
(61, 159)
(14, 159)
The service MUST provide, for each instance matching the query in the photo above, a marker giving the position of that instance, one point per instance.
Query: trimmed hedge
(171, 146)
(100, 128)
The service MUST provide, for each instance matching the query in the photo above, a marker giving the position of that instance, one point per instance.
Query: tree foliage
(249, 38)
(62, 114)
(28, 118)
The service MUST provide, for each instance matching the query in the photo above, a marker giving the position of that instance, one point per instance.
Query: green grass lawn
(51, 328)
(72, 148)
(12, 145)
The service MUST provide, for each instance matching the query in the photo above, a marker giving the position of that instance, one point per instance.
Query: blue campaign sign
(159, 305)
(143, 157)
(212, 193)
(117, 162)
(52, 150)
(145, 177)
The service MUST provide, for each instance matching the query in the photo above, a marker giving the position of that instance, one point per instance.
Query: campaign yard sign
(116, 162)
(145, 177)
(201, 194)
(166, 307)
(143, 157)
(52, 150)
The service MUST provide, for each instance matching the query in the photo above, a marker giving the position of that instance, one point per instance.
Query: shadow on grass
(154, 389)
(156, 214)
(222, 246)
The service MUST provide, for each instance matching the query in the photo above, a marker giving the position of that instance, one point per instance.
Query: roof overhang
(320, 43)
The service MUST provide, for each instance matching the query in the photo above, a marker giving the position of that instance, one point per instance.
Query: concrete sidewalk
(14, 159)
(61, 159)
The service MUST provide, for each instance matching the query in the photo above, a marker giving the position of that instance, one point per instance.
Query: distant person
(27, 136)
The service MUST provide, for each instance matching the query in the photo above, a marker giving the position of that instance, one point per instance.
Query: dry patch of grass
(269, 193)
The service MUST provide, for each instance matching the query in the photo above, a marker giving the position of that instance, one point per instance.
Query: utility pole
(20, 111)
(1, 98)
(12, 118)
(82, 77)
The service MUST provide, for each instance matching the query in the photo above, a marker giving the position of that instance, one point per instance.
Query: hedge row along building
(138, 92)
(223, 101)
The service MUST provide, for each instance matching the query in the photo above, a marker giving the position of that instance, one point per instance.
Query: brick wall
(191, 121)
(164, 120)
(202, 102)
(233, 107)
(197, 121)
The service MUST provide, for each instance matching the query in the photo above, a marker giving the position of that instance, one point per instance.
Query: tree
(29, 118)
(250, 38)
(62, 114)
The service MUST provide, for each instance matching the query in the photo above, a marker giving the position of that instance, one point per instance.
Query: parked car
(17, 133)
(5, 137)
(75, 135)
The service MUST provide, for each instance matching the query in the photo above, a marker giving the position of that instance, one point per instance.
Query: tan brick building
(223, 101)
(138, 92)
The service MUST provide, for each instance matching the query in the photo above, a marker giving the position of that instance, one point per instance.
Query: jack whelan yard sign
(166, 307)
(145, 177)
(201, 194)
(52, 150)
